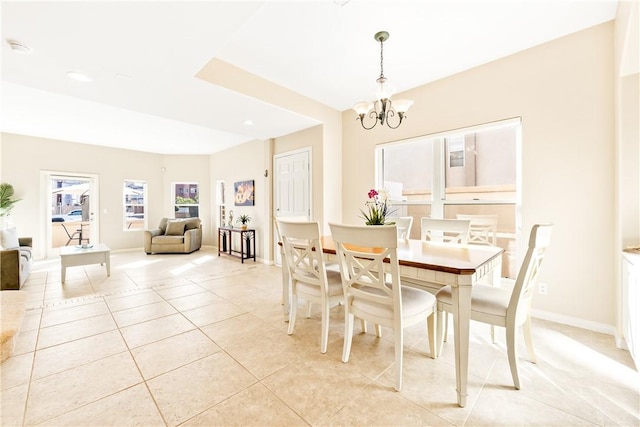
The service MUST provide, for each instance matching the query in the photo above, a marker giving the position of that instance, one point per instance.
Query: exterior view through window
(135, 205)
(186, 196)
(468, 173)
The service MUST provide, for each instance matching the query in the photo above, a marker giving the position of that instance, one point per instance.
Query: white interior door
(292, 195)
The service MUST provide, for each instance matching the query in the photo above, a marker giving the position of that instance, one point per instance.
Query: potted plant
(244, 220)
(6, 199)
(6, 203)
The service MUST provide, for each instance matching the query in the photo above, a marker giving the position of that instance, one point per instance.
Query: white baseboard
(574, 321)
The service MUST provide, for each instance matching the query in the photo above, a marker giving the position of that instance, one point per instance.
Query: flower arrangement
(378, 207)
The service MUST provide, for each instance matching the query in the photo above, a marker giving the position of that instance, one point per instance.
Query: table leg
(107, 261)
(242, 248)
(286, 287)
(63, 271)
(461, 301)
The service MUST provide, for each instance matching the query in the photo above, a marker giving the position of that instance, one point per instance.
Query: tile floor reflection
(200, 340)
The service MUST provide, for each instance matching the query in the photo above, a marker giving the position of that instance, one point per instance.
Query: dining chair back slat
(445, 230)
(482, 229)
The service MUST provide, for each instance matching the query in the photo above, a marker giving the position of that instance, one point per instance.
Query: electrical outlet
(542, 288)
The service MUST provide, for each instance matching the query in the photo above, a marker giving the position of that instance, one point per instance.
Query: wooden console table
(247, 242)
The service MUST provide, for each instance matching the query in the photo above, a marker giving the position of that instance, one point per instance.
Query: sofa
(174, 236)
(16, 259)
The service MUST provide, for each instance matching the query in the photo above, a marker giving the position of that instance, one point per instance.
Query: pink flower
(372, 193)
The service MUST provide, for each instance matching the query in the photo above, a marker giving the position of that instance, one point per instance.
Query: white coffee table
(73, 256)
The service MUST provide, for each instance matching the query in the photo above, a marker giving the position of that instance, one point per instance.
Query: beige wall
(24, 157)
(328, 195)
(249, 161)
(309, 138)
(627, 107)
(241, 163)
(563, 90)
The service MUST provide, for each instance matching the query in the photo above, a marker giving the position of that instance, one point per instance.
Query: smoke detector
(19, 48)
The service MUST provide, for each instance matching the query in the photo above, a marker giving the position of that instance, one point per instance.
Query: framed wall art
(243, 193)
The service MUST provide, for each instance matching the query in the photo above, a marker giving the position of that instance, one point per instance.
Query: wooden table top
(456, 259)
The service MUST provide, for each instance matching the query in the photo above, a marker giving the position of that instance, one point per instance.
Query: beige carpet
(12, 309)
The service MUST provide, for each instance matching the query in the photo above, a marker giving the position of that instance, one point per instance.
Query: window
(470, 171)
(135, 205)
(186, 196)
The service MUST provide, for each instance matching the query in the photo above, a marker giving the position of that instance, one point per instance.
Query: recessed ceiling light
(248, 122)
(19, 48)
(79, 76)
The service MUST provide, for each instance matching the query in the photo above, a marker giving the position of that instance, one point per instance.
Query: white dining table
(431, 266)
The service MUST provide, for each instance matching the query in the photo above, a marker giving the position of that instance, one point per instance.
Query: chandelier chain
(381, 59)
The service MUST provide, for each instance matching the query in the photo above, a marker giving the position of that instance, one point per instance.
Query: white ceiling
(143, 57)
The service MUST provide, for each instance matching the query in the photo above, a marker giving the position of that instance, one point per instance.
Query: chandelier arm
(392, 113)
(373, 114)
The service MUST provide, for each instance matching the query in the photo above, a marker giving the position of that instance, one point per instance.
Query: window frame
(126, 224)
(176, 206)
(438, 191)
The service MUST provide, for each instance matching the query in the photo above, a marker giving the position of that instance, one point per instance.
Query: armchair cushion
(175, 228)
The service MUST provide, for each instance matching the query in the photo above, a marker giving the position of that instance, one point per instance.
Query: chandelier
(382, 110)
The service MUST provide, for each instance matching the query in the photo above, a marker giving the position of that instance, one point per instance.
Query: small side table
(247, 242)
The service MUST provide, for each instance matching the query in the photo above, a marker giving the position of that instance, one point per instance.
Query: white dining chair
(403, 224)
(373, 290)
(310, 280)
(483, 229)
(508, 305)
(445, 230)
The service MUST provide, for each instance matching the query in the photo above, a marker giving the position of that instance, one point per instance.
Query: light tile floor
(201, 340)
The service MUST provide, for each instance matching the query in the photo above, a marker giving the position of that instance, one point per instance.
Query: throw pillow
(163, 225)
(175, 228)
(9, 238)
(192, 223)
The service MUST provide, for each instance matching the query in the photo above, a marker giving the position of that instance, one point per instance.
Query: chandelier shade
(382, 110)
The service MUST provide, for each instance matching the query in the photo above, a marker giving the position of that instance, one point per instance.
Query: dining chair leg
(378, 330)
(325, 327)
(432, 334)
(348, 335)
(526, 329)
(513, 357)
(445, 319)
(440, 319)
(293, 308)
(398, 350)
(308, 310)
